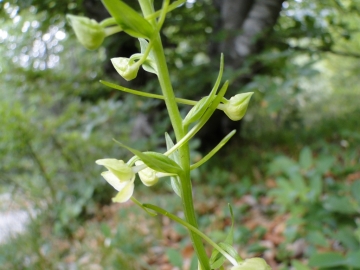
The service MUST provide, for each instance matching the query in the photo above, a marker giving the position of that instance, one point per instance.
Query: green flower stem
(112, 30)
(213, 151)
(176, 122)
(108, 22)
(144, 56)
(191, 228)
(151, 213)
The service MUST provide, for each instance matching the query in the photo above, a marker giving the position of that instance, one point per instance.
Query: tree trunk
(244, 25)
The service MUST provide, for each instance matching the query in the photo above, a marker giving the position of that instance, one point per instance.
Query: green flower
(252, 264)
(88, 31)
(236, 107)
(121, 176)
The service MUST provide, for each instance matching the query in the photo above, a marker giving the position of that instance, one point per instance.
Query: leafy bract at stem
(199, 109)
(213, 151)
(130, 21)
(155, 161)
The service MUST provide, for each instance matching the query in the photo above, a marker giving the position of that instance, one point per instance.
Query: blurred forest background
(292, 172)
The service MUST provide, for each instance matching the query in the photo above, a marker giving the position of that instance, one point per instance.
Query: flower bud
(118, 168)
(148, 176)
(88, 31)
(252, 264)
(236, 107)
(124, 68)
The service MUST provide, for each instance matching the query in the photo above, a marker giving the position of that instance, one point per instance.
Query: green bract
(236, 107)
(252, 264)
(88, 31)
(129, 20)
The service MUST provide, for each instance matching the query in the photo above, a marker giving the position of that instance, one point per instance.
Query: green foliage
(57, 120)
(322, 208)
(56, 127)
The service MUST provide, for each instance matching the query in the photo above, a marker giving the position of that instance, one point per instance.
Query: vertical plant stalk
(176, 121)
(42, 169)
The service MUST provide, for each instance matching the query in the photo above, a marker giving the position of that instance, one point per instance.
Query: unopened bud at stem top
(88, 31)
(235, 108)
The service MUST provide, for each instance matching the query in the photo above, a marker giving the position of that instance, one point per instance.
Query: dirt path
(12, 220)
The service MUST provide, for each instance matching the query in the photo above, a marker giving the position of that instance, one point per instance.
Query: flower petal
(113, 180)
(119, 168)
(125, 194)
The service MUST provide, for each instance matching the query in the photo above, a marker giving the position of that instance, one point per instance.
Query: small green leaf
(196, 111)
(174, 256)
(340, 205)
(230, 237)
(324, 163)
(231, 251)
(305, 158)
(281, 164)
(175, 181)
(299, 185)
(175, 184)
(353, 259)
(355, 190)
(129, 20)
(299, 266)
(316, 187)
(345, 235)
(330, 259)
(155, 161)
(317, 238)
(217, 259)
(199, 109)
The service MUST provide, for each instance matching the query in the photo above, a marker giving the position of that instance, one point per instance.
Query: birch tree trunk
(246, 24)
